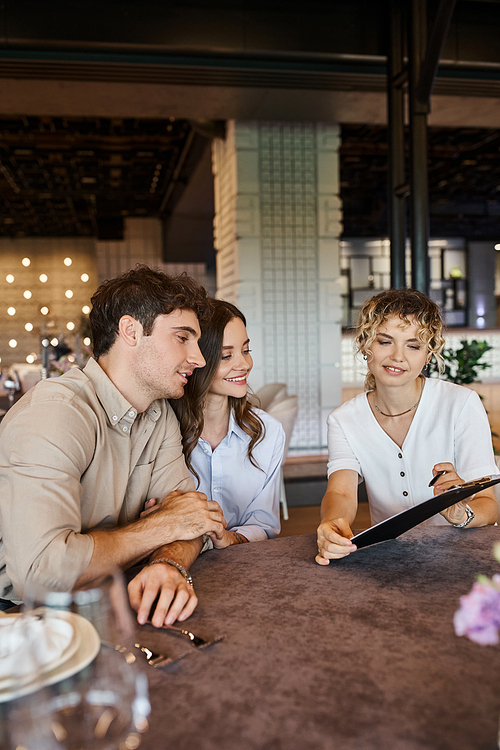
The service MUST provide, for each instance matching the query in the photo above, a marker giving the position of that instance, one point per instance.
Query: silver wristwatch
(470, 516)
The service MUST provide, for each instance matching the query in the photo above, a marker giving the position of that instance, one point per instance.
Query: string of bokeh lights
(44, 309)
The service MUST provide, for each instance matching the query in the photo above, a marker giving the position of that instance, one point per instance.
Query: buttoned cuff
(207, 544)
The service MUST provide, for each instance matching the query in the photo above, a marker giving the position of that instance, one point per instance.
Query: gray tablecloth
(360, 654)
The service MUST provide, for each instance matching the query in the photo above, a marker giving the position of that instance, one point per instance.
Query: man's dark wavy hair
(144, 293)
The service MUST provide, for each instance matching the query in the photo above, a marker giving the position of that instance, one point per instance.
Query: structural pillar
(398, 190)
(277, 227)
(418, 150)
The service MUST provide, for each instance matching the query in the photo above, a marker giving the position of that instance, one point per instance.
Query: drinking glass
(97, 698)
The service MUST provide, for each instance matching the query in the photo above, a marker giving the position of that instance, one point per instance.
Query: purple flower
(479, 615)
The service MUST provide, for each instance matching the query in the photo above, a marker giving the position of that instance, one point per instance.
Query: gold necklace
(403, 412)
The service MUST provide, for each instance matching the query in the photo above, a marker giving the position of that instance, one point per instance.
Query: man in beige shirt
(80, 455)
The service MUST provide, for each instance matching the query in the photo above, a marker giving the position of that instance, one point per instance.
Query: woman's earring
(365, 357)
(425, 371)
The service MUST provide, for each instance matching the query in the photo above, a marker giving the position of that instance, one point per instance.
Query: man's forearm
(120, 548)
(125, 547)
(183, 517)
(184, 553)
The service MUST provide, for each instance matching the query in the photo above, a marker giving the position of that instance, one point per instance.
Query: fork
(154, 659)
(196, 640)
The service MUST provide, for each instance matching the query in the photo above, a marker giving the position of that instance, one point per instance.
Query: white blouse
(450, 424)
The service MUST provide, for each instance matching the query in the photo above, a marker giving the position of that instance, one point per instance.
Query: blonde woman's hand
(334, 540)
(455, 513)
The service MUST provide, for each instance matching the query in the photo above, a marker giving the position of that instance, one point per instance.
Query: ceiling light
(43, 278)
(86, 341)
(12, 343)
(44, 310)
(86, 309)
(11, 310)
(70, 326)
(45, 342)
(54, 342)
(71, 358)
(497, 246)
(9, 278)
(27, 294)
(26, 262)
(28, 327)
(67, 261)
(68, 293)
(30, 359)
(85, 277)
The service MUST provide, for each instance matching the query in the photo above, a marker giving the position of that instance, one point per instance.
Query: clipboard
(405, 520)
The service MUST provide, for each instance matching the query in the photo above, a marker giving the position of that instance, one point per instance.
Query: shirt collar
(235, 428)
(118, 410)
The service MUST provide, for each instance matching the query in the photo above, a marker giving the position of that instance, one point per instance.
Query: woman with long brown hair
(233, 449)
(406, 430)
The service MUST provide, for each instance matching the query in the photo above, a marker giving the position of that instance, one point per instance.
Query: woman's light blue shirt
(249, 497)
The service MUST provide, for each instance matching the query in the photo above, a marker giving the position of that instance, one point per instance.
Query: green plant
(461, 365)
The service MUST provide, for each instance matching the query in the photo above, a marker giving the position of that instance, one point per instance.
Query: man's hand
(188, 514)
(334, 540)
(455, 513)
(161, 583)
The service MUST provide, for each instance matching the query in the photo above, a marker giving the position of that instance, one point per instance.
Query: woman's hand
(334, 540)
(455, 513)
(226, 538)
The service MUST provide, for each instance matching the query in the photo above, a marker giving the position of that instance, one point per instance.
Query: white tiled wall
(276, 233)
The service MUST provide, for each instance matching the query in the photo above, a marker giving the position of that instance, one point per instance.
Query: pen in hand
(434, 479)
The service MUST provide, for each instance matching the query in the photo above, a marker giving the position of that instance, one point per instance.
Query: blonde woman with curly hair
(405, 430)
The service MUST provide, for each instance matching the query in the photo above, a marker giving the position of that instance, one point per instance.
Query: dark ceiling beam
(177, 171)
(424, 51)
(435, 44)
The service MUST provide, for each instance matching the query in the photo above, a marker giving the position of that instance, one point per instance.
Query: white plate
(89, 644)
(64, 656)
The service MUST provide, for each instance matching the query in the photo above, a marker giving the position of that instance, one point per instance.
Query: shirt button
(131, 413)
(215, 489)
(400, 455)
(124, 429)
(401, 473)
(405, 494)
(114, 417)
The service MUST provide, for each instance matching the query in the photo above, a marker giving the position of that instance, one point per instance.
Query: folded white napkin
(29, 644)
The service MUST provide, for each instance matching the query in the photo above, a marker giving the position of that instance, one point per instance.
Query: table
(360, 654)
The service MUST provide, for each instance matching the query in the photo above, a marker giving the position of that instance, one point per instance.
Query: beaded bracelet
(182, 570)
